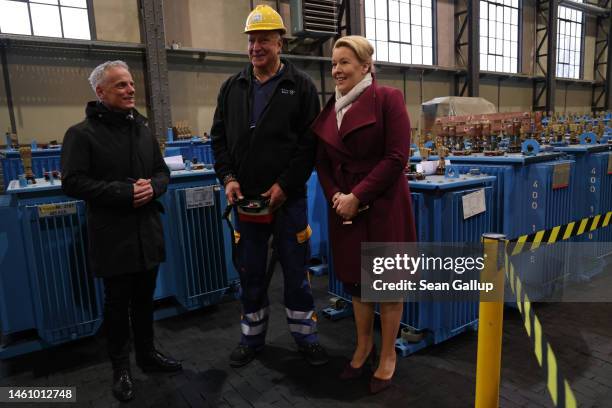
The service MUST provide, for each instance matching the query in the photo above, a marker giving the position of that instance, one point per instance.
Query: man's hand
(346, 205)
(143, 192)
(276, 195)
(232, 192)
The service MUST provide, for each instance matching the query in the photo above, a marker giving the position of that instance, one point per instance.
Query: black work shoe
(314, 353)
(242, 355)
(123, 385)
(156, 361)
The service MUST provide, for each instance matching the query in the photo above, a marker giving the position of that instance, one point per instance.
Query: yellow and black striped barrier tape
(558, 233)
(558, 387)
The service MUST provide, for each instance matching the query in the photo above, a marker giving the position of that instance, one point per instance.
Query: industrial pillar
(467, 44)
(156, 73)
(545, 74)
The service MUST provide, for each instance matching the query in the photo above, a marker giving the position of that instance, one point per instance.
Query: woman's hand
(346, 205)
(335, 198)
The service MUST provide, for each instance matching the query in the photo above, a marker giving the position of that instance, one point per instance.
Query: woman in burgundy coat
(364, 140)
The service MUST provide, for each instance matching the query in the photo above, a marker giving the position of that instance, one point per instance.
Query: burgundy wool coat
(367, 157)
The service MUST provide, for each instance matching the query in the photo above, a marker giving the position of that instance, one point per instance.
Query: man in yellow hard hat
(264, 154)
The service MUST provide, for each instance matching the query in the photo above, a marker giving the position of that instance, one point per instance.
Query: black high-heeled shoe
(378, 384)
(351, 372)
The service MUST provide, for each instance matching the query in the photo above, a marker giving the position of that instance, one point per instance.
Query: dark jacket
(281, 148)
(99, 158)
(366, 156)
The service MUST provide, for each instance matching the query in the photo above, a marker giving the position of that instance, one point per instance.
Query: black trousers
(129, 297)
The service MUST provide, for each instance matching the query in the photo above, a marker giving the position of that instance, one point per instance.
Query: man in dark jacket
(264, 150)
(113, 162)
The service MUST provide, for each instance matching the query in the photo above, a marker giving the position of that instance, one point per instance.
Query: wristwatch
(229, 178)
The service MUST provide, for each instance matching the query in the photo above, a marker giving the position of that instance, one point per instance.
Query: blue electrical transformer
(605, 235)
(591, 174)
(593, 196)
(42, 160)
(46, 271)
(442, 200)
(441, 214)
(16, 309)
(534, 193)
(517, 212)
(551, 199)
(198, 270)
(45, 284)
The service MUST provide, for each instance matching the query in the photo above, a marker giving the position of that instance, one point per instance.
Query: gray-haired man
(113, 162)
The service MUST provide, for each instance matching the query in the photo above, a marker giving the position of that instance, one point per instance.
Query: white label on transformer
(199, 197)
(561, 176)
(56, 210)
(474, 204)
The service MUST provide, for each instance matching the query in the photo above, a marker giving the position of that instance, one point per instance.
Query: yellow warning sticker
(56, 210)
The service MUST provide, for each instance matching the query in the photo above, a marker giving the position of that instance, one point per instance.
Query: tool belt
(254, 210)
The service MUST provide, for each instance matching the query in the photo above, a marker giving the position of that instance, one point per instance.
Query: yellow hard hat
(264, 18)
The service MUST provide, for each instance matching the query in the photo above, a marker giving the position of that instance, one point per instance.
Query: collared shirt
(262, 92)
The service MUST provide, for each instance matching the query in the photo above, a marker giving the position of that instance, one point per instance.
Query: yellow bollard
(490, 324)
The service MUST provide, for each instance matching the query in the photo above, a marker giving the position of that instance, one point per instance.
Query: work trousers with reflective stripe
(290, 233)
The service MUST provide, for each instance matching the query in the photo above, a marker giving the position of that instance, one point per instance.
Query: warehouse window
(569, 42)
(400, 30)
(48, 18)
(499, 28)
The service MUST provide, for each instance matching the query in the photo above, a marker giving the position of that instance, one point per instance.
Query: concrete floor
(440, 376)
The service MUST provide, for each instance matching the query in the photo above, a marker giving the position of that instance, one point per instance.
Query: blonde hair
(360, 46)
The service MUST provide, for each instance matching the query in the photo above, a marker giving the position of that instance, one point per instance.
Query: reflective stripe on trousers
(253, 327)
(303, 325)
